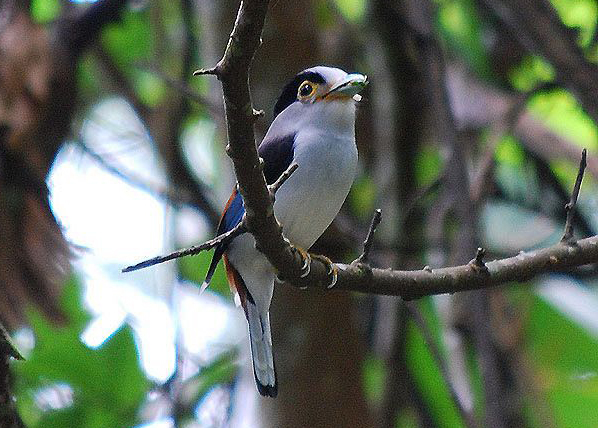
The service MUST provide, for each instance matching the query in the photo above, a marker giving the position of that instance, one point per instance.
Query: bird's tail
(261, 350)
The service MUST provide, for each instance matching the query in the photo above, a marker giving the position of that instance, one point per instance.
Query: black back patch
(277, 155)
(289, 93)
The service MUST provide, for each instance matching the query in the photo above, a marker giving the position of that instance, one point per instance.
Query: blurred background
(469, 135)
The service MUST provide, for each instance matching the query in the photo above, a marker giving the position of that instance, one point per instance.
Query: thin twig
(224, 238)
(232, 70)
(9, 416)
(499, 129)
(369, 240)
(187, 91)
(422, 324)
(478, 262)
(570, 207)
(215, 71)
(191, 251)
(7, 346)
(273, 188)
(172, 197)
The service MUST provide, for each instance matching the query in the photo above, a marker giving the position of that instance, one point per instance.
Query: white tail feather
(261, 349)
(204, 285)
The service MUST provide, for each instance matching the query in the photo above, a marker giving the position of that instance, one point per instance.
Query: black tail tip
(267, 390)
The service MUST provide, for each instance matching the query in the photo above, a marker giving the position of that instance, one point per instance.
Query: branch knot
(477, 263)
(215, 71)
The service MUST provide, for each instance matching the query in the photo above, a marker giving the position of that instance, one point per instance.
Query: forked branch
(224, 238)
(233, 70)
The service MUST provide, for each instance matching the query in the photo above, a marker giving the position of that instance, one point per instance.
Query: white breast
(308, 202)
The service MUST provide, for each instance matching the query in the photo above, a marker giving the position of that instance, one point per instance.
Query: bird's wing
(232, 215)
(277, 154)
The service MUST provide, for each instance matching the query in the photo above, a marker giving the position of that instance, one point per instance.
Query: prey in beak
(348, 87)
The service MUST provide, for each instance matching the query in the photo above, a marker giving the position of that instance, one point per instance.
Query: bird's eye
(307, 89)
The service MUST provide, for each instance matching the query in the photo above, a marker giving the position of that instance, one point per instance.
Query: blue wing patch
(278, 155)
(233, 214)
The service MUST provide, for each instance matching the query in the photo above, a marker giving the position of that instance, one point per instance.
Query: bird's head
(319, 86)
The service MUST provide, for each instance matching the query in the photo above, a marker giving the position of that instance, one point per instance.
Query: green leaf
(362, 196)
(561, 112)
(149, 87)
(565, 358)
(129, 43)
(427, 374)
(408, 418)
(87, 78)
(428, 165)
(129, 40)
(352, 10)
(460, 26)
(531, 72)
(374, 374)
(220, 371)
(108, 383)
(194, 269)
(580, 14)
(44, 11)
(324, 14)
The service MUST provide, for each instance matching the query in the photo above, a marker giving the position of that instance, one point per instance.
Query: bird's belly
(318, 192)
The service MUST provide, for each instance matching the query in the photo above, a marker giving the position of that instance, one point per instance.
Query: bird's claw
(332, 270)
(306, 268)
(306, 257)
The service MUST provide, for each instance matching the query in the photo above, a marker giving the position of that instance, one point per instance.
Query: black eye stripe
(289, 93)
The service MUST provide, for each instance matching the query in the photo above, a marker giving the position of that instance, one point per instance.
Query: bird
(314, 127)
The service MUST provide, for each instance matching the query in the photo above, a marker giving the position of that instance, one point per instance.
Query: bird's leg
(332, 270)
(306, 257)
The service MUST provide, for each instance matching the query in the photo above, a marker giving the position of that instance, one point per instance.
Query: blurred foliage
(222, 370)
(362, 197)
(426, 372)
(194, 269)
(428, 166)
(44, 11)
(461, 29)
(566, 365)
(561, 113)
(352, 10)
(578, 14)
(107, 383)
(374, 373)
(531, 73)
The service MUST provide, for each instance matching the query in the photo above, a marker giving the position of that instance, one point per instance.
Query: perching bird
(314, 126)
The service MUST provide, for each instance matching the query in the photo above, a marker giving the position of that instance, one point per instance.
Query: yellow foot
(305, 256)
(332, 270)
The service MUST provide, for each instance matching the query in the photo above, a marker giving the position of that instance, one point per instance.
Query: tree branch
(570, 207)
(80, 31)
(9, 416)
(172, 196)
(224, 238)
(232, 70)
(369, 240)
(538, 27)
(421, 323)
